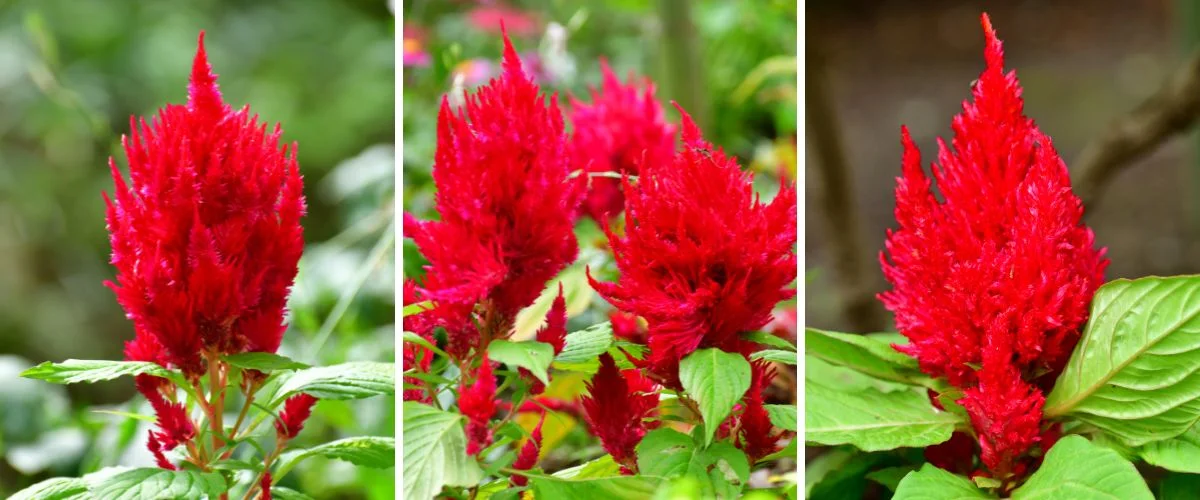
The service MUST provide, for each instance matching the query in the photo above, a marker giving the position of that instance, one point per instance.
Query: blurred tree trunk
(855, 289)
(681, 57)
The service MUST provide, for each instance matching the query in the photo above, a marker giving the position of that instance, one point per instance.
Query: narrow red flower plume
(616, 404)
(622, 128)
(477, 402)
(555, 331)
(206, 236)
(506, 202)
(265, 486)
(528, 455)
(992, 283)
(703, 259)
(755, 431)
(296, 410)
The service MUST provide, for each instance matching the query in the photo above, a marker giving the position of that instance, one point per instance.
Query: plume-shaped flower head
(992, 282)
(206, 234)
(622, 128)
(703, 259)
(506, 202)
(616, 406)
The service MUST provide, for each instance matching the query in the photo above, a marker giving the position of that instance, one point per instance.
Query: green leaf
(281, 493)
(1180, 454)
(775, 356)
(353, 380)
(1179, 487)
(873, 420)
(234, 464)
(74, 371)
(932, 483)
(531, 355)
(667, 453)
(59, 488)
(421, 341)
(842, 379)
(153, 482)
(585, 345)
(435, 452)
(263, 361)
(783, 416)
(870, 355)
(1136, 370)
(129, 415)
(607, 488)
(717, 380)
(367, 451)
(838, 473)
(768, 339)
(1080, 470)
(600, 467)
(890, 477)
(411, 309)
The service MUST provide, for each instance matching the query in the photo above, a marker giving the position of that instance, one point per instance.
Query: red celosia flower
(415, 355)
(295, 411)
(956, 455)
(755, 436)
(616, 404)
(703, 259)
(528, 455)
(477, 402)
(265, 485)
(992, 283)
(623, 128)
(506, 204)
(206, 236)
(156, 449)
(626, 326)
(555, 331)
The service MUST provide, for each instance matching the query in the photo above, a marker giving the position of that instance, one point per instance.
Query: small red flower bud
(295, 411)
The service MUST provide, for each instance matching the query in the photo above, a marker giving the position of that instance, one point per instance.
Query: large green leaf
(263, 361)
(722, 469)
(1080, 470)
(783, 416)
(872, 420)
(600, 467)
(607, 488)
(716, 380)
(58, 488)
(870, 355)
(156, 483)
(1180, 454)
(585, 345)
(932, 483)
(353, 380)
(74, 371)
(531, 355)
(820, 372)
(769, 339)
(1136, 370)
(435, 452)
(366, 451)
(775, 356)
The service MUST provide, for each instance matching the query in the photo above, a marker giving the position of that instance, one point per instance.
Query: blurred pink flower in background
(518, 22)
(414, 46)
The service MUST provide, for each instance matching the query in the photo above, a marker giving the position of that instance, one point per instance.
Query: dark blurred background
(71, 75)
(1084, 65)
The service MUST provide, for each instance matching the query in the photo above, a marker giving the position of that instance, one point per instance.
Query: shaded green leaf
(1136, 370)
(59, 488)
(435, 452)
(1080, 470)
(263, 361)
(156, 483)
(366, 451)
(353, 380)
(717, 380)
(871, 355)
(74, 371)
(769, 340)
(783, 416)
(775, 356)
(1180, 454)
(932, 483)
(531, 355)
(873, 420)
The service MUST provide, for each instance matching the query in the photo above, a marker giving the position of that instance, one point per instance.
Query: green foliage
(616, 487)
(932, 483)
(720, 469)
(585, 345)
(866, 354)
(435, 452)
(352, 380)
(872, 420)
(263, 361)
(1135, 371)
(530, 355)
(717, 380)
(73, 371)
(1078, 469)
(1179, 454)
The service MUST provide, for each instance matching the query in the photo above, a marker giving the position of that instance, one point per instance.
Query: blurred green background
(71, 75)
(731, 65)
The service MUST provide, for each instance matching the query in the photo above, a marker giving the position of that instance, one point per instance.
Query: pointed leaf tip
(203, 92)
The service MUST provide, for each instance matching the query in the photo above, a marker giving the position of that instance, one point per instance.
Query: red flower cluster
(616, 406)
(623, 128)
(992, 285)
(703, 260)
(295, 411)
(507, 206)
(528, 456)
(755, 432)
(477, 402)
(206, 236)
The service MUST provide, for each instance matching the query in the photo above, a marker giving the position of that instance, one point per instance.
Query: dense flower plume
(616, 404)
(992, 284)
(296, 410)
(528, 455)
(507, 207)
(756, 435)
(622, 128)
(206, 235)
(703, 260)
